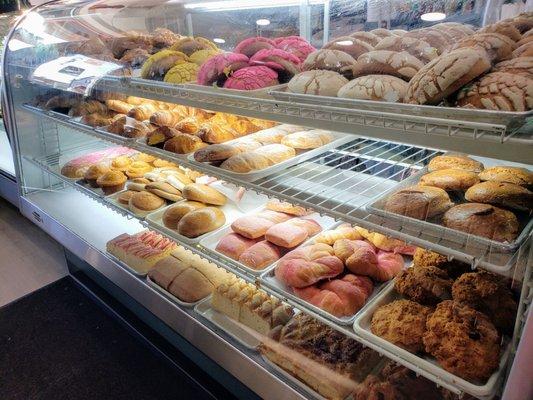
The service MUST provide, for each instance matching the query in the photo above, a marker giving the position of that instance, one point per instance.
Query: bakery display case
(328, 199)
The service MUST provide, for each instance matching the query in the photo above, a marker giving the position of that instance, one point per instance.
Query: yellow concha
(181, 73)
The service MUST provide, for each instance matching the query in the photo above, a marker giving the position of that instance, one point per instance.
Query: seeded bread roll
(520, 65)
(420, 202)
(455, 161)
(367, 37)
(483, 220)
(375, 87)
(516, 175)
(499, 91)
(317, 82)
(501, 194)
(350, 45)
(445, 75)
(416, 47)
(449, 179)
(497, 46)
(331, 60)
(400, 64)
(525, 50)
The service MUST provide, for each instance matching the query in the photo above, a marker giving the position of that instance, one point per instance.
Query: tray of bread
(205, 209)
(338, 272)
(254, 242)
(185, 278)
(330, 370)
(267, 151)
(244, 311)
(446, 319)
(469, 200)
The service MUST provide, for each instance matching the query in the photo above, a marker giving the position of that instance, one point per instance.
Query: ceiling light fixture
(219, 40)
(432, 16)
(263, 22)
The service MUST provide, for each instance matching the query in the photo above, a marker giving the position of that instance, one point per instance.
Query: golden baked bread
(319, 82)
(142, 112)
(124, 197)
(367, 37)
(203, 193)
(504, 28)
(521, 65)
(307, 139)
(137, 169)
(502, 194)
(173, 214)
(344, 231)
(167, 117)
(201, 221)
(483, 220)
(246, 162)
(445, 75)
(121, 163)
(503, 91)
(420, 202)
(160, 135)
(111, 182)
(276, 153)
(94, 172)
(416, 47)
(385, 62)
(497, 46)
(211, 132)
(164, 190)
(96, 120)
(183, 143)
(88, 107)
(119, 106)
(287, 208)
(434, 37)
(449, 179)
(147, 158)
(525, 50)
(350, 45)
(221, 152)
(454, 161)
(375, 87)
(503, 173)
(143, 203)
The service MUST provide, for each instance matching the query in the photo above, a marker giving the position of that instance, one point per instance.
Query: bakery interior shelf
(466, 130)
(340, 183)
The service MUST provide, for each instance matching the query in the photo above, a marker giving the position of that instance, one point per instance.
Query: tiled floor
(29, 258)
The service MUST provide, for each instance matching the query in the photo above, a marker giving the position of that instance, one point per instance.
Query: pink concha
(273, 55)
(298, 47)
(277, 41)
(251, 46)
(221, 66)
(251, 78)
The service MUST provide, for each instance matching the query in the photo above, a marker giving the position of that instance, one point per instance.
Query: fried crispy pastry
(426, 285)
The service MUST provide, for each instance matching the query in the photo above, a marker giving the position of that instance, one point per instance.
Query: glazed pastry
(164, 190)
(483, 220)
(118, 106)
(463, 341)
(188, 125)
(252, 78)
(111, 182)
(142, 112)
(455, 161)
(425, 285)
(349, 45)
(217, 69)
(400, 64)
(157, 65)
(203, 193)
(403, 323)
(420, 202)
(211, 132)
(386, 243)
(160, 135)
(94, 172)
(317, 82)
(143, 203)
(375, 87)
(96, 120)
(169, 118)
(331, 60)
(87, 107)
(450, 179)
(233, 245)
(502, 194)
(260, 255)
(509, 174)
(201, 221)
(172, 215)
(183, 143)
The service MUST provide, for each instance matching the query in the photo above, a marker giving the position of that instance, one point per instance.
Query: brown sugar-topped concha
(353, 46)
(445, 75)
(450, 179)
(505, 28)
(416, 47)
(331, 60)
(375, 87)
(367, 37)
(382, 32)
(502, 91)
(435, 38)
(455, 31)
(317, 82)
(510, 174)
(519, 65)
(455, 161)
(501, 193)
(497, 46)
(524, 50)
(396, 63)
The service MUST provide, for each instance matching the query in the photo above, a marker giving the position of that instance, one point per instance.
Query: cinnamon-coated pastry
(164, 190)
(509, 174)
(201, 221)
(455, 161)
(183, 143)
(450, 179)
(111, 182)
(143, 203)
(94, 172)
(420, 202)
(427, 285)
(173, 214)
(502, 194)
(203, 193)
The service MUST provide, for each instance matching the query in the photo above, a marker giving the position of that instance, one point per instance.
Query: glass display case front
(327, 198)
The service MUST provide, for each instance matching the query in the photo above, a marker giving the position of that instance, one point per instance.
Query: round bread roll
(525, 50)
(200, 221)
(455, 161)
(375, 87)
(386, 62)
(204, 194)
(164, 190)
(143, 203)
(450, 179)
(482, 220)
(420, 202)
(520, 65)
(124, 197)
(502, 194)
(497, 46)
(331, 60)
(503, 173)
(349, 45)
(317, 82)
(367, 37)
(435, 38)
(416, 47)
(504, 28)
(173, 215)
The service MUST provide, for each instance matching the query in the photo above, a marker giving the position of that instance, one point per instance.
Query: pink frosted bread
(233, 245)
(251, 46)
(285, 63)
(219, 67)
(296, 46)
(251, 78)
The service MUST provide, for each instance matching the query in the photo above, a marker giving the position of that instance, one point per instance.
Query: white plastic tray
(338, 140)
(169, 295)
(210, 242)
(246, 337)
(429, 365)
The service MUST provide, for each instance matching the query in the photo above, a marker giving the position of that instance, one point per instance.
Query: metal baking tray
(169, 295)
(338, 140)
(210, 243)
(361, 327)
(247, 337)
(433, 225)
(510, 120)
(262, 93)
(230, 210)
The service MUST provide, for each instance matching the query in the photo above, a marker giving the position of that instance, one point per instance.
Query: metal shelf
(381, 121)
(339, 183)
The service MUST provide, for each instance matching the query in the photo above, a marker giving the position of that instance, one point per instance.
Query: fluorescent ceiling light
(219, 40)
(246, 4)
(263, 22)
(432, 16)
